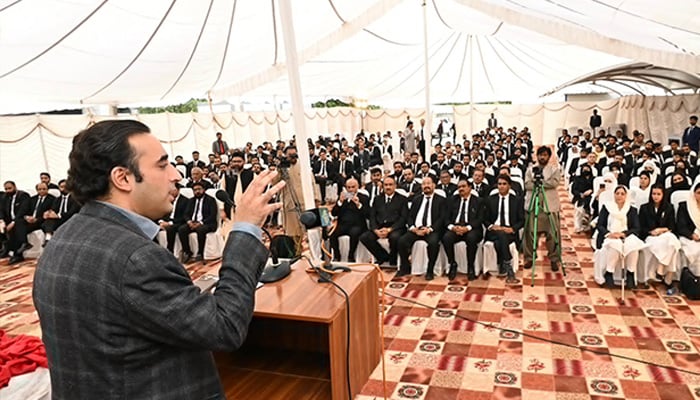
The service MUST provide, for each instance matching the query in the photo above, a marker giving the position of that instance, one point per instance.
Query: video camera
(537, 174)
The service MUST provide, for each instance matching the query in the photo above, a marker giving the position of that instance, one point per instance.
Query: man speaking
(120, 316)
(549, 175)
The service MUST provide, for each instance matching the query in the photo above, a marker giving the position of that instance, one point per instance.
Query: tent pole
(300, 130)
(428, 123)
(471, 88)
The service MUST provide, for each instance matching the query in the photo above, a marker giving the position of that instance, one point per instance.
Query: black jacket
(684, 224)
(516, 212)
(45, 206)
(209, 210)
(476, 213)
(180, 217)
(650, 219)
(348, 213)
(437, 212)
(21, 206)
(392, 215)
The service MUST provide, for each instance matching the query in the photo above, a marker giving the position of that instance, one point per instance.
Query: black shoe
(4, 253)
(429, 276)
(400, 273)
(609, 281)
(471, 276)
(23, 247)
(351, 259)
(629, 281)
(527, 264)
(510, 278)
(198, 258)
(452, 274)
(555, 266)
(16, 259)
(186, 258)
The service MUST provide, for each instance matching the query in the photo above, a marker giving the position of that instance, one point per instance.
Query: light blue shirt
(150, 228)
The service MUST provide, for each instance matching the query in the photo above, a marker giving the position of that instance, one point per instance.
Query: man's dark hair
(199, 183)
(96, 151)
(10, 182)
(505, 178)
(61, 181)
(544, 149)
(237, 154)
(46, 174)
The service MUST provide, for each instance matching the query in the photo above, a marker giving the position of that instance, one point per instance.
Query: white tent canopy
(64, 53)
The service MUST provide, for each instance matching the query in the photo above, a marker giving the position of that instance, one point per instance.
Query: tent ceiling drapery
(63, 52)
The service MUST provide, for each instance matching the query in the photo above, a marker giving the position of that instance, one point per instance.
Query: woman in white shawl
(688, 228)
(618, 241)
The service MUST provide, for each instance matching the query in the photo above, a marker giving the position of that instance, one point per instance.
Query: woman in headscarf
(657, 223)
(618, 230)
(688, 228)
(603, 193)
(640, 194)
(678, 182)
(599, 151)
(582, 191)
(654, 171)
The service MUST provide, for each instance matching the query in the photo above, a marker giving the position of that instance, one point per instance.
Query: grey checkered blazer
(121, 318)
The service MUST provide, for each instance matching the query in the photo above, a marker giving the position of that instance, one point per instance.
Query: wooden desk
(296, 344)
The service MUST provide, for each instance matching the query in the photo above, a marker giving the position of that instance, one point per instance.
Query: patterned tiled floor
(442, 354)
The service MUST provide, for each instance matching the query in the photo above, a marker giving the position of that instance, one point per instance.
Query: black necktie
(323, 168)
(463, 213)
(502, 217)
(38, 205)
(64, 203)
(426, 210)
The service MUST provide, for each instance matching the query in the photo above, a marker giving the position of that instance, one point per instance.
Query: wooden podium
(296, 345)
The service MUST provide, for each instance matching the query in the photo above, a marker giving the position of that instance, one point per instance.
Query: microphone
(222, 196)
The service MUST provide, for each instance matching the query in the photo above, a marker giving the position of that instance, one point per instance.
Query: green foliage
(339, 103)
(330, 103)
(189, 106)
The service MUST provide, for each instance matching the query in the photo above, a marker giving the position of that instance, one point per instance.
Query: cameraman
(549, 175)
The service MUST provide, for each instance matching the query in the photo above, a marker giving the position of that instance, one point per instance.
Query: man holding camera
(548, 175)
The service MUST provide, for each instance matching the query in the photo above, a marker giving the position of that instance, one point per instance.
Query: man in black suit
(691, 134)
(323, 170)
(409, 184)
(352, 210)
(457, 172)
(172, 222)
(45, 177)
(446, 183)
(343, 169)
(479, 185)
(465, 219)
(595, 120)
(16, 207)
(375, 155)
(63, 208)
(201, 218)
(426, 220)
(374, 186)
(196, 162)
(38, 206)
(238, 173)
(387, 220)
(505, 217)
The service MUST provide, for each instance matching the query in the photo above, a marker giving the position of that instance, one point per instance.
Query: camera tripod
(538, 203)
